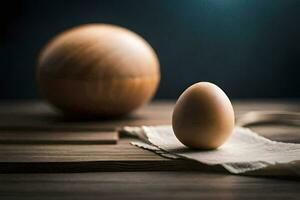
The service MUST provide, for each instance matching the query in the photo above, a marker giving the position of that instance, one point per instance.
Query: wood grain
(85, 158)
(98, 69)
(40, 116)
(58, 137)
(144, 185)
(127, 171)
(40, 140)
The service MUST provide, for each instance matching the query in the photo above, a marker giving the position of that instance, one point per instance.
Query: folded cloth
(244, 152)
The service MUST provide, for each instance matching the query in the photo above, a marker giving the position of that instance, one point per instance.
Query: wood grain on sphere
(98, 69)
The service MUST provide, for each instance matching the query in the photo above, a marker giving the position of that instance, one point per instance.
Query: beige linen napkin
(244, 152)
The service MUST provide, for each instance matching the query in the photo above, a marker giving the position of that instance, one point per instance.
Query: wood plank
(74, 157)
(40, 116)
(171, 182)
(72, 152)
(58, 137)
(144, 185)
(85, 158)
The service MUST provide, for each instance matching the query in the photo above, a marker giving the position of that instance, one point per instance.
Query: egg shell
(98, 69)
(203, 117)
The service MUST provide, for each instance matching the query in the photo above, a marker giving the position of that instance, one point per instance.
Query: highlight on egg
(203, 117)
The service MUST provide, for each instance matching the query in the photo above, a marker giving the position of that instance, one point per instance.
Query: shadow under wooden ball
(98, 69)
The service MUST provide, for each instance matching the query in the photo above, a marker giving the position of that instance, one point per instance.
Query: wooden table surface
(44, 155)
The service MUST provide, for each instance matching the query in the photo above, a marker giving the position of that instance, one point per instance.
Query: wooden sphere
(98, 69)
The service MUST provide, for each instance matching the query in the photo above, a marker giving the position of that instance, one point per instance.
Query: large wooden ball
(98, 69)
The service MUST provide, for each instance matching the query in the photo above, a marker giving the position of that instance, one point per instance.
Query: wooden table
(46, 156)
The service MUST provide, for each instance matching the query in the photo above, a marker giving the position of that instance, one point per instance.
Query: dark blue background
(248, 47)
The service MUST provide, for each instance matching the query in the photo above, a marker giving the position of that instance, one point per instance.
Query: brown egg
(98, 69)
(203, 117)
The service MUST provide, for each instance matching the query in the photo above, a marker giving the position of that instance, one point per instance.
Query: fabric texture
(244, 152)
